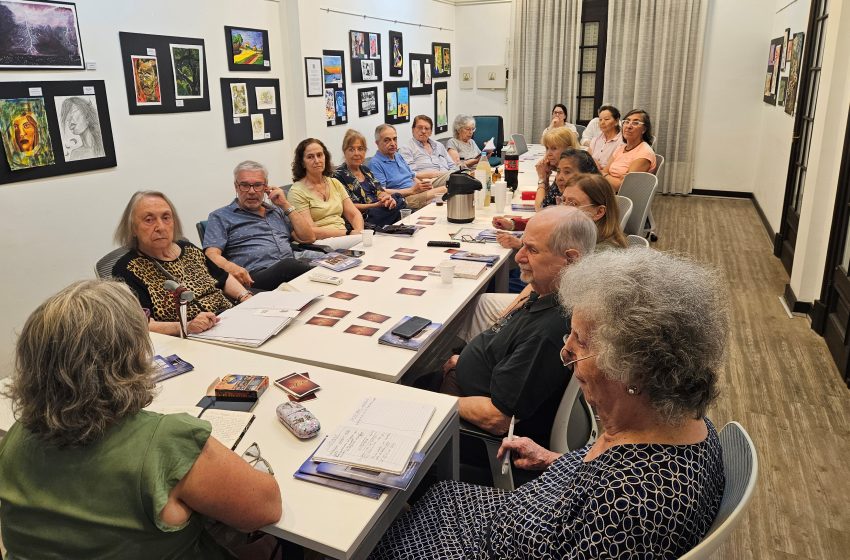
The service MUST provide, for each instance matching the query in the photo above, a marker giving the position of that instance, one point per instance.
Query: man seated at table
(395, 175)
(427, 158)
(514, 368)
(250, 238)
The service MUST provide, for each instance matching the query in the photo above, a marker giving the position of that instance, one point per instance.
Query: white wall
(483, 39)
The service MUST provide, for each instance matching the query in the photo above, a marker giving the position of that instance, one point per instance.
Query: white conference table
(330, 521)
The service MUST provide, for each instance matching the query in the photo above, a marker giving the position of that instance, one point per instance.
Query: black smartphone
(411, 327)
(351, 252)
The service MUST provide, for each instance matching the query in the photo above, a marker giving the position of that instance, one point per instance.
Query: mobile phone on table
(351, 252)
(411, 327)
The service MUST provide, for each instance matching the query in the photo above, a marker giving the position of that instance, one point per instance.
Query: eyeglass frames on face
(571, 362)
(255, 459)
(245, 187)
(632, 123)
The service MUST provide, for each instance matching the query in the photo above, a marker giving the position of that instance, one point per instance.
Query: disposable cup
(500, 190)
(406, 213)
(447, 272)
(367, 237)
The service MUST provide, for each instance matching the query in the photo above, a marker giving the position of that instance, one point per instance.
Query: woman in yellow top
(317, 191)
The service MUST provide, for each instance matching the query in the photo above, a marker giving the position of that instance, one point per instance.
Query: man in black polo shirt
(514, 368)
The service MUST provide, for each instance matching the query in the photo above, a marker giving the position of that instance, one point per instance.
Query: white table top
(330, 521)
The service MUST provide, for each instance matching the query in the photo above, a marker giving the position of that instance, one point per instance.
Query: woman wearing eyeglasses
(636, 153)
(157, 252)
(85, 472)
(647, 343)
(462, 148)
(316, 190)
(559, 119)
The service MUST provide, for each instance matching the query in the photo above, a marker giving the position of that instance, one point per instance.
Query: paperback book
(170, 366)
(241, 387)
(377, 478)
(413, 343)
(477, 257)
(337, 262)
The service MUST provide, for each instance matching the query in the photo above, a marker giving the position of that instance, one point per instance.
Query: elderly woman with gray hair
(651, 485)
(156, 252)
(461, 147)
(85, 472)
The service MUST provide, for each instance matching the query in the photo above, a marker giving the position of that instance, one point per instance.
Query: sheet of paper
(277, 299)
(243, 325)
(227, 425)
(376, 449)
(489, 146)
(404, 416)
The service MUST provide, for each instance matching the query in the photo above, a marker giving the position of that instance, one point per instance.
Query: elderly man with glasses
(250, 237)
(427, 158)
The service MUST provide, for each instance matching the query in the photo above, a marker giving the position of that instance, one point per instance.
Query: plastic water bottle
(511, 166)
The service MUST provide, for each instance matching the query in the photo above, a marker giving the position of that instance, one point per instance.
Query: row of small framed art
(396, 102)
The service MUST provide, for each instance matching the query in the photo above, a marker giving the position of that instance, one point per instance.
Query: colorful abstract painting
(26, 138)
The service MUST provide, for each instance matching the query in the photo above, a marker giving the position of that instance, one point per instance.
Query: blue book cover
(337, 262)
(309, 472)
(170, 366)
(414, 343)
(400, 481)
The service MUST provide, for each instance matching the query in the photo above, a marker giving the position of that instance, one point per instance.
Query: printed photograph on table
(188, 64)
(365, 56)
(51, 128)
(368, 101)
(420, 74)
(26, 137)
(164, 74)
(396, 102)
(397, 54)
(794, 74)
(40, 35)
(442, 53)
(252, 111)
(79, 127)
(336, 101)
(313, 77)
(247, 49)
(441, 110)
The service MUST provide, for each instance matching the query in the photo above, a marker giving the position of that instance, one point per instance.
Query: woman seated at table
(85, 472)
(461, 147)
(377, 205)
(651, 485)
(603, 145)
(150, 229)
(559, 119)
(555, 141)
(317, 191)
(635, 154)
(571, 162)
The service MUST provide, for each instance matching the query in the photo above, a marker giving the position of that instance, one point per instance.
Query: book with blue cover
(477, 257)
(389, 480)
(170, 366)
(309, 472)
(413, 343)
(337, 262)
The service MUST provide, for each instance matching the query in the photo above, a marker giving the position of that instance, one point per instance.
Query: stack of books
(337, 262)
(372, 451)
(477, 257)
(413, 343)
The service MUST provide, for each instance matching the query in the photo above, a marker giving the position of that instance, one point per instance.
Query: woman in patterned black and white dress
(651, 485)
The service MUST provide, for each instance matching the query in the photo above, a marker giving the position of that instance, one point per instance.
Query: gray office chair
(649, 227)
(580, 130)
(741, 465)
(637, 241)
(640, 188)
(624, 205)
(574, 427)
(103, 267)
(444, 141)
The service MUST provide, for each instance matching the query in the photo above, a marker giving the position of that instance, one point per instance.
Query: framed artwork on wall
(54, 128)
(467, 77)
(164, 74)
(313, 76)
(40, 36)
(771, 79)
(783, 86)
(252, 112)
(396, 102)
(333, 74)
(786, 39)
(442, 53)
(365, 56)
(441, 107)
(396, 54)
(420, 74)
(367, 99)
(794, 74)
(247, 49)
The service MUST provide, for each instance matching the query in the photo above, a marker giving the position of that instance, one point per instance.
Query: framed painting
(54, 128)
(396, 102)
(40, 35)
(252, 111)
(313, 76)
(247, 49)
(794, 74)
(442, 53)
(441, 107)
(164, 74)
(333, 77)
(420, 74)
(771, 79)
(367, 99)
(396, 54)
(365, 56)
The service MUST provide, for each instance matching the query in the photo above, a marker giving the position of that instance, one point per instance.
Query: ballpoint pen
(506, 462)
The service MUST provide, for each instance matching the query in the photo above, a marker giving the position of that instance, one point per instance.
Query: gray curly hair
(659, 322)
(83, 363)
(462, 121)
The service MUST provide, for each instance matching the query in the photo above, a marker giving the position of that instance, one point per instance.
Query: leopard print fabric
(190, 268)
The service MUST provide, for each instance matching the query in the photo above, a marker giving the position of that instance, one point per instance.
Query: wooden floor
(780, 383)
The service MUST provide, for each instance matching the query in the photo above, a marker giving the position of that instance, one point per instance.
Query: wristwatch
(289, 211)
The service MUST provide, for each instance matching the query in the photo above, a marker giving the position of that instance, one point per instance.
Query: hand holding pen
(506, 461)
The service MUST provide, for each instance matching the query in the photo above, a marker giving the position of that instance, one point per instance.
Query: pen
(506, 462)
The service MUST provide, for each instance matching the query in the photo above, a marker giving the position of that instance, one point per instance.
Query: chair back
(444, 141)
(640, 188)
(574, 425)
(202, 228)
(740, 464)
(489, 126)
(659, 162)
(103, 267)
(637, 241)
(288, 186)
(519, 143)
(625, 206)
(580, 130)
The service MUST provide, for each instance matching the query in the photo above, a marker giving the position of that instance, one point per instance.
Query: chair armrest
(470, 429)
(311, 247)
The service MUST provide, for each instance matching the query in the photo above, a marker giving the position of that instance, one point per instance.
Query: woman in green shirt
(85, 472)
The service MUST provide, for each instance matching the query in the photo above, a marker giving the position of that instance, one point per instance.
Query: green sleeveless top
(102, 501)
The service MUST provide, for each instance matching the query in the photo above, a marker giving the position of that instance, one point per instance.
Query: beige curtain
(655, 50)
(543, 63)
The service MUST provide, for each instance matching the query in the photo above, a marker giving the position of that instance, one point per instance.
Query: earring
(632, 390)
